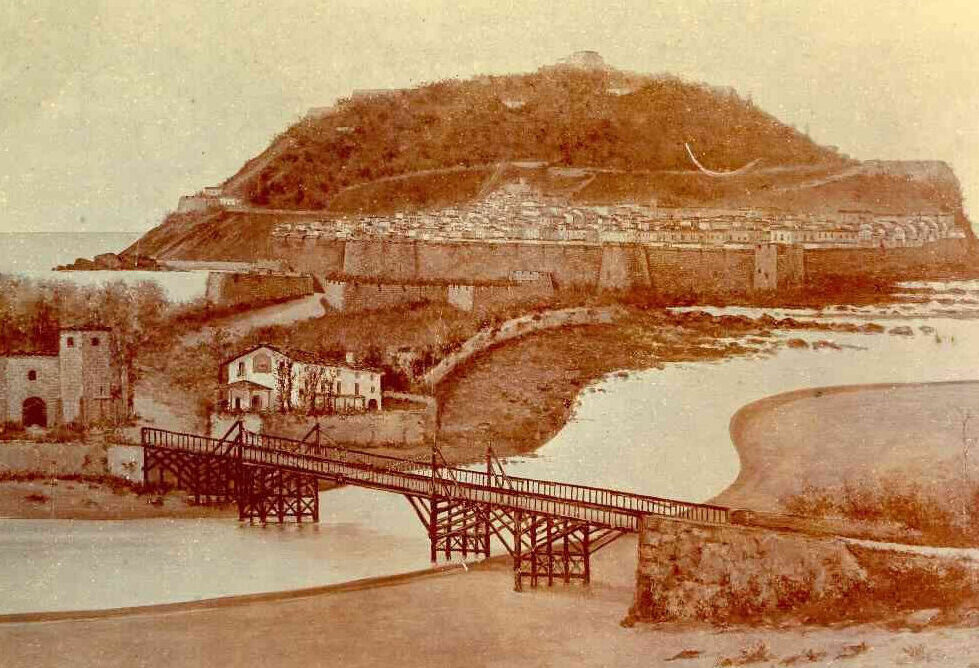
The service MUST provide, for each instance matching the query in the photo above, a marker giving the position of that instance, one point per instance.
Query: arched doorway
(372, 405)
(35, 412)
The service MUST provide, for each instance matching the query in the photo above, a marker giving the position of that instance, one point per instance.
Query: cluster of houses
(514, 213)
(266, 378)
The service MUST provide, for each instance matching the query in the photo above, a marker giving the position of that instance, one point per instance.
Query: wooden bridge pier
(267, 494)
(210, 478)
(550, 529)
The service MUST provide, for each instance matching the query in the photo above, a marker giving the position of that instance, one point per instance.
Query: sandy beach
(831, 435)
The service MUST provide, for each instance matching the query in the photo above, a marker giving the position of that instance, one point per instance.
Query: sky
(109, 111)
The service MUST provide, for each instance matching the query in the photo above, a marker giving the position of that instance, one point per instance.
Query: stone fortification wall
(232, 289)
(486, 297)
(668, 271)
(894, 261)
(421, 261)
(353, 296)
(370, 296)
(683, 271)
(624, 267)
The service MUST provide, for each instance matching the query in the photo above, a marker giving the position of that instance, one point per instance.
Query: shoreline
(756, 453)
(235, 600)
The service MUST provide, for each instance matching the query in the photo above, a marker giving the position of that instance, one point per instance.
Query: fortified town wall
(359, 295)
(668, 270)
(233, 288)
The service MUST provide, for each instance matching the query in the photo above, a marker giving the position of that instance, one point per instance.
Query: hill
(562, 116)
(580, 129)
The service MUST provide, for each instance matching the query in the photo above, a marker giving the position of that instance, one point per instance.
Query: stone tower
(89, 379)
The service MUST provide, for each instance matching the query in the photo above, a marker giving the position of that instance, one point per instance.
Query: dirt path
(285, 313)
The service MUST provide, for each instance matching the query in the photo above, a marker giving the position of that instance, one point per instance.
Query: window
(70, 342)
(95, 341)
(356, 389)
(32, 375)
(241, 368)
(262, 363)
(338, 387)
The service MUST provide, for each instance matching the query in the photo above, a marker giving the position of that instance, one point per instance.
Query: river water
(34, 255)
(661, 432)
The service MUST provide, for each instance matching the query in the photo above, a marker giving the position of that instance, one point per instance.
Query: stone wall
(446, 262)
(883, 261)
(354, 296)
(690, 271)
(232, 288)
(691, 571)
(372, 296)
(15, 386)
(397, 428)
(526, 324)
(61, 459)
(743, 573)
(668, 271)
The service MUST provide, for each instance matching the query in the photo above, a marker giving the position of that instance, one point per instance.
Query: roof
(247, 383)
(83, 327)
(28, 353)
(303, 356)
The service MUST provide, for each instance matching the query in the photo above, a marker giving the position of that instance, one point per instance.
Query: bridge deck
(597, 506)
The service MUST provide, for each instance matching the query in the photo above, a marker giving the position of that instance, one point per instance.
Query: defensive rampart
(901, 262)
(671, 271)
(233, 288)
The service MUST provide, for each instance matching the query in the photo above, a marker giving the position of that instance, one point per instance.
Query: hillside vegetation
(593, 136)
(562, 116)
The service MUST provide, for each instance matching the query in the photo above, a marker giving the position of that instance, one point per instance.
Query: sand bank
(830, 435)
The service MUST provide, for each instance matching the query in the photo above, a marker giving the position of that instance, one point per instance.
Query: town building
(265, 378)
(81, 383)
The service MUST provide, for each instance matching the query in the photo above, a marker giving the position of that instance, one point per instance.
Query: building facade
(81, 383)
(265, 378)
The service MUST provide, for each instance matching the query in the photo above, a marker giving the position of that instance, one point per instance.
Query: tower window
(32, 375)
(70, 342)
(95, 341)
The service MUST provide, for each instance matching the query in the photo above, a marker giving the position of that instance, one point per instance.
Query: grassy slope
(567, 118)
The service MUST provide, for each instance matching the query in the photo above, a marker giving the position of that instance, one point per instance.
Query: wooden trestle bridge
(551, 529)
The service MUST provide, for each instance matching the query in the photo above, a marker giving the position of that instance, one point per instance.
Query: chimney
(350, 358)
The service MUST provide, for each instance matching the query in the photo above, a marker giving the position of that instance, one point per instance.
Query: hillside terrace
(515, 214)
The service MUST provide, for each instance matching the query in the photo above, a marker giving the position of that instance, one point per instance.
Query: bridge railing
(417, 483)
(377, 469)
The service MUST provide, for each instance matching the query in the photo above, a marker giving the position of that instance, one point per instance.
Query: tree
(310, 385)
(285, 379)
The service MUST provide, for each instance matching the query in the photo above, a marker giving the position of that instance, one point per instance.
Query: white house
(257, 379)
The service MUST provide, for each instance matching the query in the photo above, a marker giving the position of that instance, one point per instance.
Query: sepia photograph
(425, 333)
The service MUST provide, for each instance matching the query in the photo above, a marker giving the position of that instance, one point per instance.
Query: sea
(36, 254)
